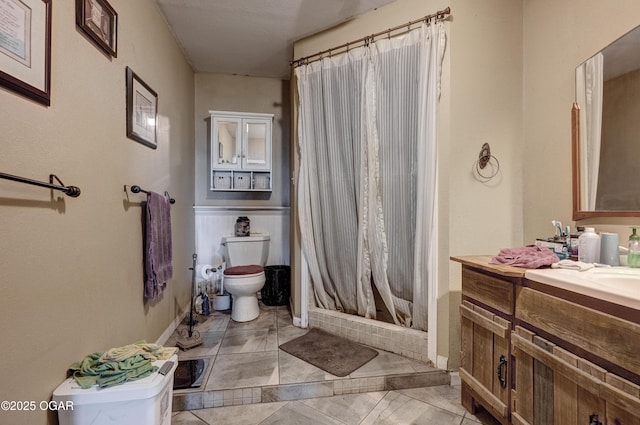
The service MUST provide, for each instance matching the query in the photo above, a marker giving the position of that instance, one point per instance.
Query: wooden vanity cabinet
(486, 315)
(570, 359)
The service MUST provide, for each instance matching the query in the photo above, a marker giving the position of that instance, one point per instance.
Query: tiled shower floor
(247, 368)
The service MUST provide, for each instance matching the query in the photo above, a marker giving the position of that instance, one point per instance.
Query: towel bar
(72, 191)
(137, 189)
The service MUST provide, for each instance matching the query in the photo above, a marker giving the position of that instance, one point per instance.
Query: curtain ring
(370, 39)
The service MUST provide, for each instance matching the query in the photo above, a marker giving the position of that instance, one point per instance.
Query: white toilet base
(243, 290)
(245, 308)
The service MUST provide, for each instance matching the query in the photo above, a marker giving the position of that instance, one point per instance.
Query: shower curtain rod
(441, 14)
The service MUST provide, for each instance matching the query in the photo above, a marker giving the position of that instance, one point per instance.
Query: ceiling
(252, 37)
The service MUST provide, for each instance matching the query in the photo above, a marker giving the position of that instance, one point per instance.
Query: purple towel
(530, 257)
(157, 249)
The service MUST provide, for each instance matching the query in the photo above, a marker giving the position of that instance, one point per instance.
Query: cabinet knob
(594, 420)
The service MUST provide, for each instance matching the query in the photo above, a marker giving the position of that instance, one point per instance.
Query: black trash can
(277, 288)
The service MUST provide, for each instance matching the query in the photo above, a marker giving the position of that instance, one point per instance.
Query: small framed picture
(98, 20)
(25, 48)
(142, 111)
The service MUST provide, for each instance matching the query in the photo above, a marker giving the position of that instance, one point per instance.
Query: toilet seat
(244, 271)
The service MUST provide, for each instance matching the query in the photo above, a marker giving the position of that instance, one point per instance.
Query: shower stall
(367, 188)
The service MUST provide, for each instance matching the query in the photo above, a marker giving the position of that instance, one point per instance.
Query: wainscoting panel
(212, 223)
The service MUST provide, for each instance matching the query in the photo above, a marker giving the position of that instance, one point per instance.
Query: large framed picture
(99, 21)
(142, 111)
(25, 48)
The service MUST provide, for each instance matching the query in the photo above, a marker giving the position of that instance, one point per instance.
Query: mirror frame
(579, 214)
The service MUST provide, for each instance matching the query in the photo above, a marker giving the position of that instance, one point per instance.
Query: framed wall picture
(25, 48)
(99, 21)
(142, 111)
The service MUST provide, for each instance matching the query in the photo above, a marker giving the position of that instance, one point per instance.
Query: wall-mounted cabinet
(240, 151)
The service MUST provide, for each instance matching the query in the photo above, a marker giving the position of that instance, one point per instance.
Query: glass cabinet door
(257, 144)
(227, 147)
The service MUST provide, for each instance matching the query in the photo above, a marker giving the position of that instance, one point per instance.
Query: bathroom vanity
(540, 347)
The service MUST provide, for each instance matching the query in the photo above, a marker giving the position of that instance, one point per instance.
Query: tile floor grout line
(321, 412)
(431, 403)
(272, 414)
(386, 392)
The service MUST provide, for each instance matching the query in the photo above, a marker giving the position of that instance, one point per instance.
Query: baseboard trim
(173, 326)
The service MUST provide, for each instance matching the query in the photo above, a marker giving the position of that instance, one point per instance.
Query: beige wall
(558, 36)
(71, 268)
(481, 102)
(486, 98)
(242, 94)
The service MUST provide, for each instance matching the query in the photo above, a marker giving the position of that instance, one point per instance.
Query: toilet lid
(243, 270)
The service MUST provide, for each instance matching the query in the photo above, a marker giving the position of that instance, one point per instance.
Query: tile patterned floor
(250, 381)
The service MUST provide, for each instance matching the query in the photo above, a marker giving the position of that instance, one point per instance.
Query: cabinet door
(226, 141)
(623, 405)
(554, 386)
(256, 149)
(484, 360)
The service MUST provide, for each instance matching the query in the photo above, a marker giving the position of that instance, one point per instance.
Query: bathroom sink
(620, 285)
(614, 277)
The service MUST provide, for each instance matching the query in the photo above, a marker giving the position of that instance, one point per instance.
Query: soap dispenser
(633, 258)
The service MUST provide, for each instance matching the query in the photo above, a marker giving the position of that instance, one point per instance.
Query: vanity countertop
(617, 285)
(482, 262)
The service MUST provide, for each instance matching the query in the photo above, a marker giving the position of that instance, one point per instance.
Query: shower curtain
(367, 181)
(589, 92)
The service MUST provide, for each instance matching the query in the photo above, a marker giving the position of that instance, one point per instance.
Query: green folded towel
(91, 370)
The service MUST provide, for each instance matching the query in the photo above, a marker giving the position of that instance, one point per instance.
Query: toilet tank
(245, 250)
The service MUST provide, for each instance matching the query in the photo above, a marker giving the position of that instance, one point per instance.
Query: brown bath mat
(331, 353)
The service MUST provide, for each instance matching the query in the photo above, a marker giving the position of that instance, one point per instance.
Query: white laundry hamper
(146, 401)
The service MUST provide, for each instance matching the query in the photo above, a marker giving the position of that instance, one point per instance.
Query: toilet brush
(190, 338)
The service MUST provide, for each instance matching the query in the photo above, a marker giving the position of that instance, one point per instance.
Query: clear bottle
(573, 244)
(589, 246)
(633, 258)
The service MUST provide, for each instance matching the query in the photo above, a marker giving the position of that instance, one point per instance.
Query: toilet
(244, 275)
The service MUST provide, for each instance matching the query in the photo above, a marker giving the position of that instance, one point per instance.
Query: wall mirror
(606, 132)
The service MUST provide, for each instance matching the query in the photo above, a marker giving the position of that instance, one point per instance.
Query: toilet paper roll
(206, 271)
